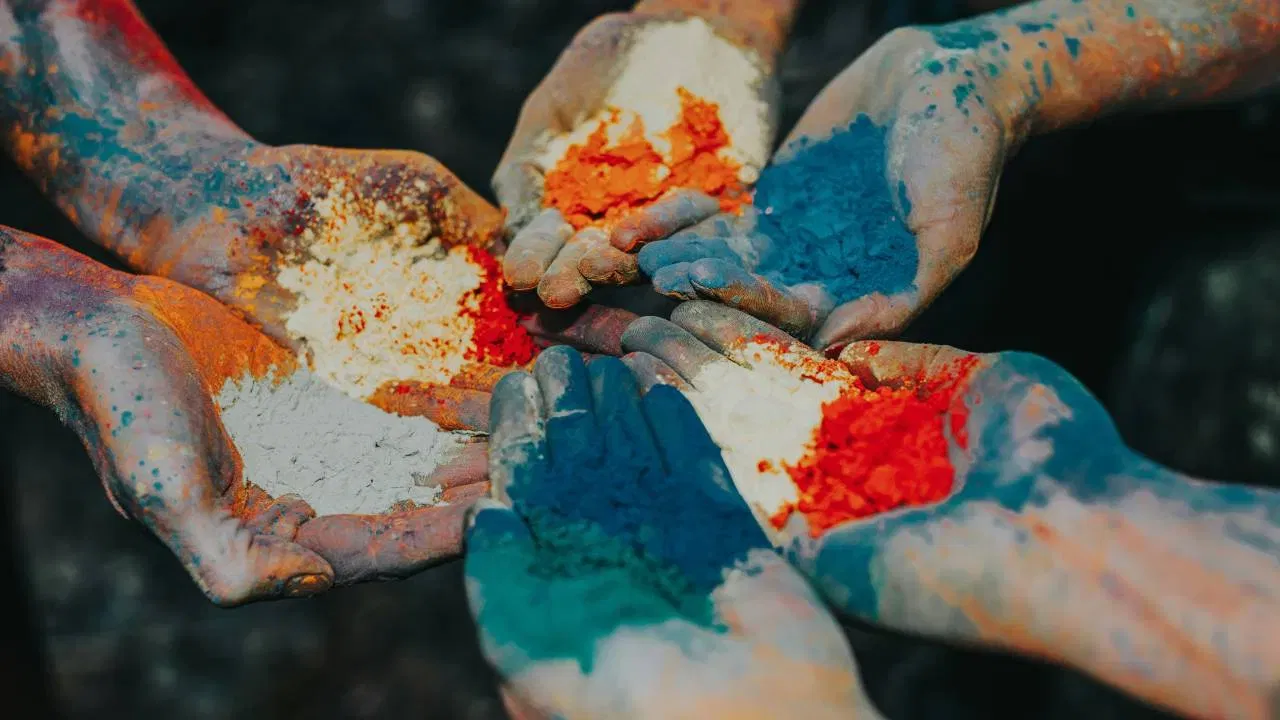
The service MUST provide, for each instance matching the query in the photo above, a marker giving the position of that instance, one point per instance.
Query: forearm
(1164, 587)
(765, 24)
(1062, 62)
(97, 111)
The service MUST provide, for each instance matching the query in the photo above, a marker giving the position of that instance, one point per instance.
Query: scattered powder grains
(376, 304)
(677, 116)
(877, 450)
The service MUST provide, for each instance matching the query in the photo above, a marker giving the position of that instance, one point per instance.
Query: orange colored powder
(877, 450)
(595, 183)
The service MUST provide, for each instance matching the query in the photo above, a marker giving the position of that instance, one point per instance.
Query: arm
(1064, 61)
(765, 23)
(97, 111)
(1077, 550)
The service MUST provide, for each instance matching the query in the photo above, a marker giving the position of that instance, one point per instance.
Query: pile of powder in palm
(376, 305)
(831, 201)
(604, 179)
(763, 417)
(300, 435)
(675, 116)
(877, 450)
(586, 526)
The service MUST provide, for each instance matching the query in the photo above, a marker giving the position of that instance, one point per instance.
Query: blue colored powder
(832, 204)
(620, 541)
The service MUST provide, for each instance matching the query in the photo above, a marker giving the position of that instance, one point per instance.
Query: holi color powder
(832, 203)
(376, 305)
(604, 178)
(877, 450)
(498, 337)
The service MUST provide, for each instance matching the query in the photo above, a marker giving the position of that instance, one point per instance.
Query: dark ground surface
(1142, 253)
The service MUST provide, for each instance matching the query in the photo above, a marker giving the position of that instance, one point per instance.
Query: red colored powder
(498, 337)
(595, 183)
(876, 450)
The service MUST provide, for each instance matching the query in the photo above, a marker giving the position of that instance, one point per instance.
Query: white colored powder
(302, 436)
(765, 414)
(374, 305)
(687, 54)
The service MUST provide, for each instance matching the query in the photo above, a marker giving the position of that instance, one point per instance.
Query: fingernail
(306, 585)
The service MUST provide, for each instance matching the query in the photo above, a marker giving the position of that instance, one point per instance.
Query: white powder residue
(374, 305)
(763, 417)
(691, 55)
(302, 436)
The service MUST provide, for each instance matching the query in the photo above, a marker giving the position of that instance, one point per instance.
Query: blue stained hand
(626, 578)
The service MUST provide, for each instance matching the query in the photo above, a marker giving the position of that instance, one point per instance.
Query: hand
(209, 434)
(583, 187)
(628, 580)
(921, 449)
(875, 203)
(759, 391)
(372, 265)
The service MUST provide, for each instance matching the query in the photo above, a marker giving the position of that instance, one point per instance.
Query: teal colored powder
(619, 539)
(832, 204)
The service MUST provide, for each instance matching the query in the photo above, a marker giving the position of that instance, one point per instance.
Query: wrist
(762, 25)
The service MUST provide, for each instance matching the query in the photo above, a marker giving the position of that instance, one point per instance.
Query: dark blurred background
(1142, 253)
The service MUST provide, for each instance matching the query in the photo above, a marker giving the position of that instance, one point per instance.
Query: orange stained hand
(146, 371)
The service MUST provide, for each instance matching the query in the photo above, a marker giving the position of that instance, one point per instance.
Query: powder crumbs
(497, 337)
(376, 304)
(877, 450)
(618, 170)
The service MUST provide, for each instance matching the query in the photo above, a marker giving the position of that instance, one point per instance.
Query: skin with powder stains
(545, 251)
(1074, 548)
(97, 111)
(955, 102)
(630, 620)
(131, 364)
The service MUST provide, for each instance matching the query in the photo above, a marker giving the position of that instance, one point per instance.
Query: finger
(519, 185)
(732, 285)
(651, 371)
(563, 286)
(449, 407)
(671, 344)
(468, 466)
(517, 441)
(159, 444)
(725, 329)
(480, 377)
(891, 364)
(673, 281)
(573, 434)
(676, 211)
(607, 265)
(534, 248)
(616, 399)
(492, 526)
(871, 316)
(685, 247)
(686, 446)
(467, 494)
(385, 547)
(281, 518)
(591, 327)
